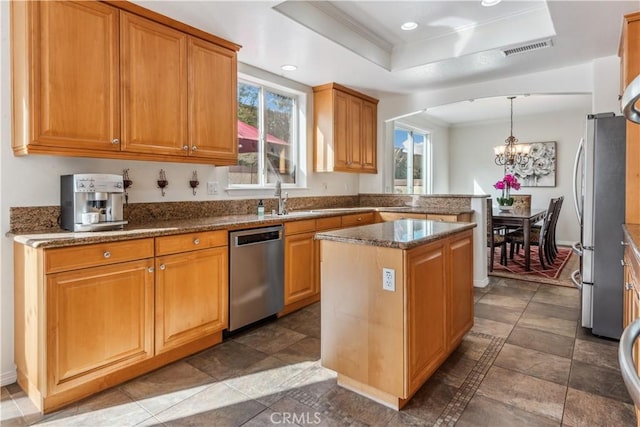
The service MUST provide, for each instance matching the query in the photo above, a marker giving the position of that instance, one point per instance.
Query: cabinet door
(354, 141)
(425, 302)
(75, 85)
(369, 137)
(154, 87)
(460, 297)
(300, 280)
(341, 131)
(99, 320)
(191, 296)
(212, 102)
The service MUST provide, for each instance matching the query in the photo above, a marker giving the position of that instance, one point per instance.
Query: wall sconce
(194, 182)
(162, 181)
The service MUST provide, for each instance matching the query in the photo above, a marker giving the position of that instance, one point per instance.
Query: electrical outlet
(212, 188)
(389, 279)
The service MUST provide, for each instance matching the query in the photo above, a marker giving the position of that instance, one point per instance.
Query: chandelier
(511, 153)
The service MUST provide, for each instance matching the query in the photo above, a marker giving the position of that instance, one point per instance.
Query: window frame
(427, 157)
(297, 136)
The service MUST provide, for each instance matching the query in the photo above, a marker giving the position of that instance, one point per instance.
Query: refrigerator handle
(577, 248)
(576, 165)
(574, 278)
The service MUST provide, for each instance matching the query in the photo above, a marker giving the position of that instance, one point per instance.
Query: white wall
(475, 172)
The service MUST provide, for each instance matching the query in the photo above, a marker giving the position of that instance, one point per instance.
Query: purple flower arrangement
(506, 184)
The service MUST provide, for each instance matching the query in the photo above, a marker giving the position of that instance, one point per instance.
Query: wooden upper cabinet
(212, 102)
(345, 138)
(66, 93)
(114, 80)
(369, 132)
(154, 87)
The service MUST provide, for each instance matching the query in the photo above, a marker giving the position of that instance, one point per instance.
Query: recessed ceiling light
(289, 67)
(489, 3)
(408, 26)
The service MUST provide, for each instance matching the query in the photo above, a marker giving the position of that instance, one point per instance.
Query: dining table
(520, 218)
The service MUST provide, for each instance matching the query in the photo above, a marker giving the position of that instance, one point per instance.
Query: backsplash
(45, 218)
(438, 202)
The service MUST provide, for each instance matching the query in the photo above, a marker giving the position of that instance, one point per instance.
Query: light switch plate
(389, 279)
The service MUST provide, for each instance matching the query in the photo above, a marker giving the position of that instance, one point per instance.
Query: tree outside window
(411, 157)
(267, 138)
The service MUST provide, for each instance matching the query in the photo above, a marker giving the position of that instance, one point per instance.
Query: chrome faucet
(282, 202)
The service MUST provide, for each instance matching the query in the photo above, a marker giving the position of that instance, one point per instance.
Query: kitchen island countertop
(400, 234)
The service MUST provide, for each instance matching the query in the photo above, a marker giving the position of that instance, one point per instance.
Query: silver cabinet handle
(106, 254)
(623, 243)
(115, 141)
(185, 147)
(624, 264)
(150, 269)
(194, 148)
(196, 241)
(628, 286)
(162, 267)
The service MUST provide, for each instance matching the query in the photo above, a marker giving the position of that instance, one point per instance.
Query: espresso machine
(91, 202)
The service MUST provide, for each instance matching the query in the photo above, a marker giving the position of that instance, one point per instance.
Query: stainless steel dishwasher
(256, 275)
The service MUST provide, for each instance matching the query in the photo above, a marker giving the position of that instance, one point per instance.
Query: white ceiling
(359, 43)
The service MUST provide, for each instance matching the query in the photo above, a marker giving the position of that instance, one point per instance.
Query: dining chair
(495, 237)
(540, 237)
(521, 201)
(551, 248)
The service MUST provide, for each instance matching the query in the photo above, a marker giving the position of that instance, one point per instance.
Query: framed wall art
(540, 170)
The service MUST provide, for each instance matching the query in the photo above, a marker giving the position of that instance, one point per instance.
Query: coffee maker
(91, 202)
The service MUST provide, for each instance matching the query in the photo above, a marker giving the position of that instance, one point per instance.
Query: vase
(505, 208)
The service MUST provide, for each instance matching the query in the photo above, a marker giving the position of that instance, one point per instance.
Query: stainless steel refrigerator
(599, 194)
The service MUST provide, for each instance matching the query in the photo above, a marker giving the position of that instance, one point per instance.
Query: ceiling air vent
(528, 47)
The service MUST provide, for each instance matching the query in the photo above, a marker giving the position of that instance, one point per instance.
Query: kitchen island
(397, 299)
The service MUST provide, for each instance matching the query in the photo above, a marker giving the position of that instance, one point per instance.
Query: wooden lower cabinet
(425, 311)
(99, 319)
(89, 317)
(191, 296)
(302, 257)
(631, 301)
(300, 269)
(386, 344)
(301, 284)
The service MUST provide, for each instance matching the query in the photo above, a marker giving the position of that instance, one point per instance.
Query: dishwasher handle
(255, 237)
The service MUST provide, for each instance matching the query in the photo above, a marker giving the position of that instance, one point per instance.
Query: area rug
(558, 273)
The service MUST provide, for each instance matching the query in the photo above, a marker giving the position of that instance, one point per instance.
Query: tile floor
(525, 363)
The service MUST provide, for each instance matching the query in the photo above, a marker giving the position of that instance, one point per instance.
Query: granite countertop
(59, 238)
(401, 234)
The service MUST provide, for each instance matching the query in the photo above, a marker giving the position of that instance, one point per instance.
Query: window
(411, 161)
(267, 136)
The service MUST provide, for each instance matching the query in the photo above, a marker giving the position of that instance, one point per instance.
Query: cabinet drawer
(296, 227)
(190, 242)
(439, 217)
(393, 216)
(358, 219)
(75, 257)
(330, 223)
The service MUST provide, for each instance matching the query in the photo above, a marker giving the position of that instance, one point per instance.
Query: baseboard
(481, 283)
(7, 378)
(565, 243)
